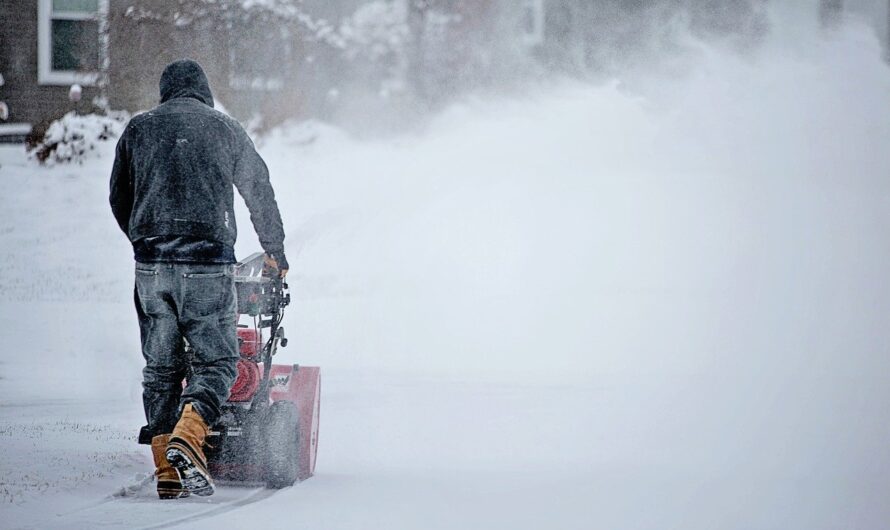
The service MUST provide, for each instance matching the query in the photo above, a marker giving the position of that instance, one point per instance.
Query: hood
(185, 79)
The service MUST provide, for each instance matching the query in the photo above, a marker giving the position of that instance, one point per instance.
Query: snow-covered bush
(74, 137)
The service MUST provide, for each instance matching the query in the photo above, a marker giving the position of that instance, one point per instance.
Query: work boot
(185, 452)
(169, 486)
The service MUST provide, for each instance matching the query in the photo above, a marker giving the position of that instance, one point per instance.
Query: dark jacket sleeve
(252, 180)
(121, 195)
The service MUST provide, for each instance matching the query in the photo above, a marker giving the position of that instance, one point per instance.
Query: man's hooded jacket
(171, 184)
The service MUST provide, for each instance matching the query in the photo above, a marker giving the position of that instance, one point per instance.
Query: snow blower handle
(271, 267)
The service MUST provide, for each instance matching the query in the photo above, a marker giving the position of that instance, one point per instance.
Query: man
(171, 193)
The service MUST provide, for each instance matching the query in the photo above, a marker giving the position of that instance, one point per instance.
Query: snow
(14, 128)
(649, 304)
(75, 92)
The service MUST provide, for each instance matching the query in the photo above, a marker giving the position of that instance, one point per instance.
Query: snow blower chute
(268, 430)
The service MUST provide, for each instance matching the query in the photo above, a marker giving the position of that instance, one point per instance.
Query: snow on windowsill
(9, 129)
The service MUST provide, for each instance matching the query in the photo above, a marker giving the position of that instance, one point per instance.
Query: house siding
(140, 48)
(28, 101)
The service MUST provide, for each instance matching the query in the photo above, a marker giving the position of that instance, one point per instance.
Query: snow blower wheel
(282, 436)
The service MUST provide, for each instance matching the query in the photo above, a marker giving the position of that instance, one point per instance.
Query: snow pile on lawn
(75, 137)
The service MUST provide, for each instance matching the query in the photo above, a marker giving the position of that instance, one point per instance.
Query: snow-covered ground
(592, 307)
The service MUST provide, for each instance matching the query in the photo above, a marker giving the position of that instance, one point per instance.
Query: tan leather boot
(169, 486)
(185, 452)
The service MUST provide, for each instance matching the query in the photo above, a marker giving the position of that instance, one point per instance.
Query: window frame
(45, 73)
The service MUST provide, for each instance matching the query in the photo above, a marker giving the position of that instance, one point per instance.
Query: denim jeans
(195, 302)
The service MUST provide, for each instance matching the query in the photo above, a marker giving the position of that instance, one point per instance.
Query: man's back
(183, 158)
(171, 187)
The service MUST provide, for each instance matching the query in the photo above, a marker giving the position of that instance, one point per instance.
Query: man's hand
(272, 264)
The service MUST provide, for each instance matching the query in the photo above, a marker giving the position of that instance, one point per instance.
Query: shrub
(75, 137)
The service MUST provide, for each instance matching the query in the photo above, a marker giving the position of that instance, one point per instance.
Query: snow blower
(268, 430)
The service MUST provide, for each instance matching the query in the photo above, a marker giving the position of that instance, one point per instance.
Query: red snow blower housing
(268, 430)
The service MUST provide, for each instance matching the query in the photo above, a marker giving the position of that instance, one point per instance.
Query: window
(533, 22)
(69, 41)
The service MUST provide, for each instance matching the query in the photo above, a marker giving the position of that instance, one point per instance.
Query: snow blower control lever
(263, 295)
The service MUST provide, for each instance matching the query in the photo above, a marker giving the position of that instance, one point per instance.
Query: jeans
(198, 303)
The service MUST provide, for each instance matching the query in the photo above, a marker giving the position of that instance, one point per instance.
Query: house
(268, 59)
(115, 50)
(275, 60)
(271, 60)
(45, 47)
(251, 56)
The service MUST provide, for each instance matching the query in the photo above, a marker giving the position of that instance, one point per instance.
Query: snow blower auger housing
(268, 430)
